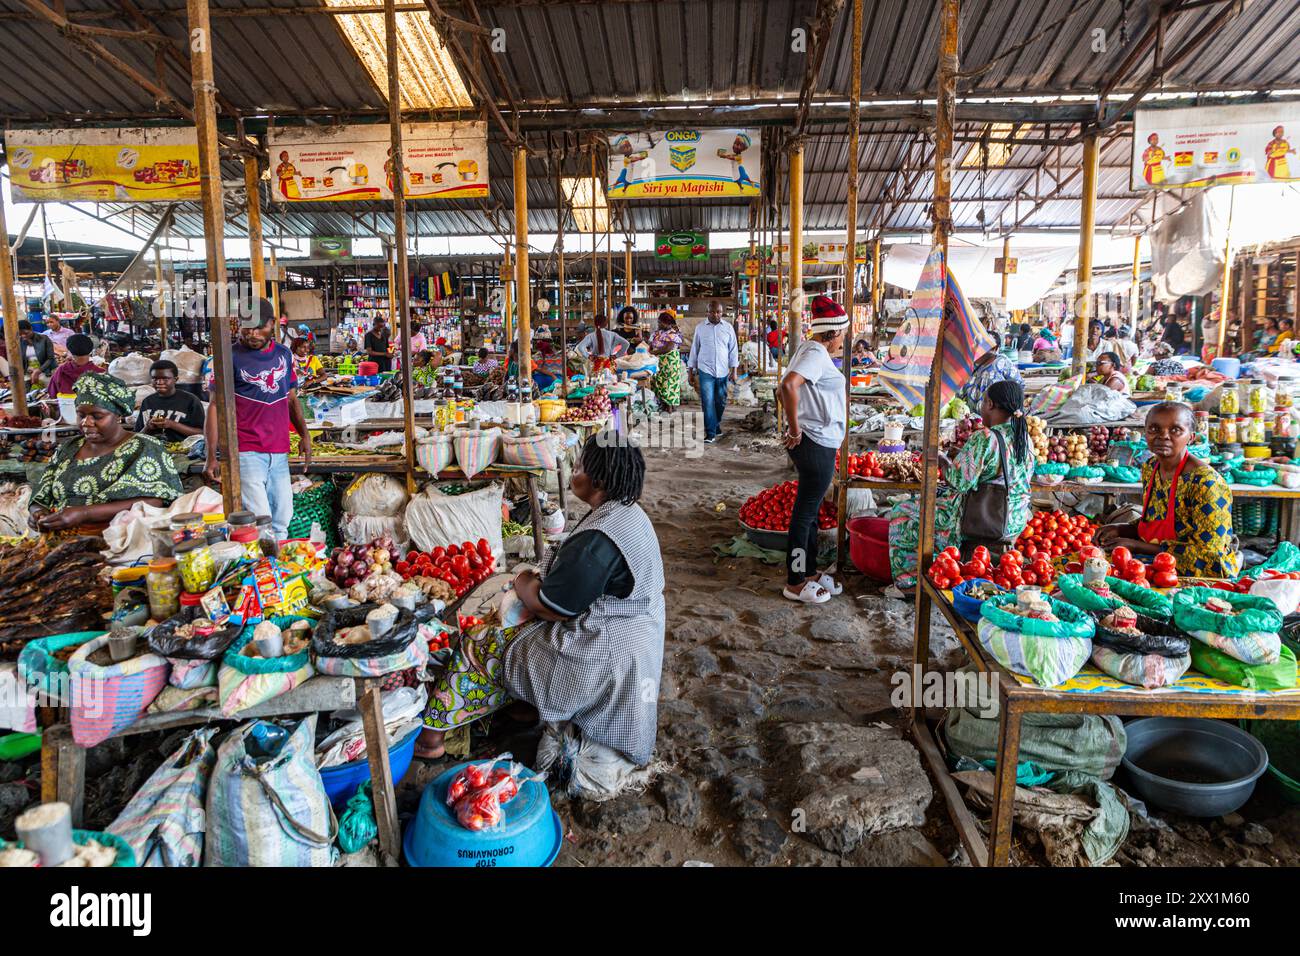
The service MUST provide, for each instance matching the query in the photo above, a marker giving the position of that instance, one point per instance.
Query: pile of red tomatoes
(462, 566)
(1011, 569)
(770, 509)
(1054, 533)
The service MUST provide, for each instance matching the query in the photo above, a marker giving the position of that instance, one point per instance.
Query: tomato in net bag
(475, 776)
(481, 809)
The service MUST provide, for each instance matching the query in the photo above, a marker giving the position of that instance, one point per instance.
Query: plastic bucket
(341, 781)
(1230, 367)
(530, 835)
(869, 547)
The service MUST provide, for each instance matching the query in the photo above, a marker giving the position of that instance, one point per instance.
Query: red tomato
(484, 549)
(1164, 561)
(981, 554)
(1165, 579)
(1031, 577)
(1120, 556)
(971, 569)
(1030, 550)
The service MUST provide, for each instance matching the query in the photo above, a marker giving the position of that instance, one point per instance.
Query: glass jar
(163, 585)
(1258, 398)
(198, 570)
(1202, 427)
(247, 536)
(266, 536)
(187, 526)
(1254, 433)
(1230, 399)
(241, 519)
(1227, 430)
(1284, 398)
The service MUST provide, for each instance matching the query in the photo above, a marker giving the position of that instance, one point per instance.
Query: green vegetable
(957, 409)
(511, 529)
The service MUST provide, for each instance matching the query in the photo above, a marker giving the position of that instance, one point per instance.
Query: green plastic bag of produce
(1216, 664)
(1286, 558)
(1143, 600)
(1256, 476)
(357, 826)
(1250, 613)
(1049, 660)
(1085, 473)
(1140, 670)
(1051, 468)
(1122, 473)
(1072, 621)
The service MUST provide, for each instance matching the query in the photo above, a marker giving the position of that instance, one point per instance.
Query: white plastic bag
(14, 501)
(587, 769)
(1284, 592)
(132, 368)
(434, 519)
(189, 364)
(375, 496)
(362, 529)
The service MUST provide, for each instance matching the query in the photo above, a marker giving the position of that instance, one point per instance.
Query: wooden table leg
(381, 774)
(1004, 788)
(535, 506)
(561, 481)
(63, 770)
(920, 646)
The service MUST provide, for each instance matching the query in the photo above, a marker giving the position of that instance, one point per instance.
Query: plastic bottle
(163, 585)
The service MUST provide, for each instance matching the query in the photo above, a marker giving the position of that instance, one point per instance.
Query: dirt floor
(778, 742)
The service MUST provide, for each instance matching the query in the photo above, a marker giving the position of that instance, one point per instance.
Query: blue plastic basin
(530, 835)
(341, 781)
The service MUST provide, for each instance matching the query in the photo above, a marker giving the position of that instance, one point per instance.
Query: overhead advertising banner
(685, 163)
(1215, 145)
(103, 165)
(354, 163)
(330, 247)
(681, 245)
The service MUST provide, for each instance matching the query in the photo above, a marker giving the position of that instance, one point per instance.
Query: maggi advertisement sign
(103, 165)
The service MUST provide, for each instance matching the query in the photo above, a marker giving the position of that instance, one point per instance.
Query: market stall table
(1016, 698)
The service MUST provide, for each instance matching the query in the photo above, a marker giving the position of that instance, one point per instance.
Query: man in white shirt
(712, 364)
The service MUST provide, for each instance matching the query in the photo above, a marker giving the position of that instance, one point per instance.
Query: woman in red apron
(1186, 505)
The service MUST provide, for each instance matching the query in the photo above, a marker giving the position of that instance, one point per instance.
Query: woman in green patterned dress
(107, 470)
(976, 463)
(666, 343)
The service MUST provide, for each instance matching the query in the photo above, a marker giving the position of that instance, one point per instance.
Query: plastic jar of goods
(241, 519)
(187, 526)
(1259, 398)
(198, 571)
(1255, 433)
(1230, 399)
(217, 523)
(191, 600)
(246, 535)
(266, 536)
(163, 585)
(1227, 431)
(1284, 398)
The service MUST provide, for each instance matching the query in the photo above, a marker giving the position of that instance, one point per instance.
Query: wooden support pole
(381, 771)
(850, 265)
(256, 262)
(1226, 292)
(392, 287)
(9, 303)
(399, 287)
(158, 286)
(942, 227)
(560, 217)
(523, 301)
(214, 228)
(507, 316)
(627, 272)
(1006, 276)
(275, 289)
(1087, 225)
(796, 248)
(1135, 289)
(877, 284)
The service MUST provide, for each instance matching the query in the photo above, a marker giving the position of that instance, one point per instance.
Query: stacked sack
(374, 506)
(1236, 638)
(1133, 641)
(1040, 638)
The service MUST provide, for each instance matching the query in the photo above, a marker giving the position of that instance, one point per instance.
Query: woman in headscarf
(990, 367)
(106, 470)
(666, 344)
(602, 346)
(1004, 440)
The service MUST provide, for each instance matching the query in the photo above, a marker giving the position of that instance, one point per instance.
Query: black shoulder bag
(984, 512)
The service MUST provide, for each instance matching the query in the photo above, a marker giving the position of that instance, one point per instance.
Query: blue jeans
(713, 396)
(265, 488)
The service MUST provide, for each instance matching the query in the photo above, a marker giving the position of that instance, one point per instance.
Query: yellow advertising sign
(103, 165)
(684, 163)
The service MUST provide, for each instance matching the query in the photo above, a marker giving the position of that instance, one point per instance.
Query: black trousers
(816, 466)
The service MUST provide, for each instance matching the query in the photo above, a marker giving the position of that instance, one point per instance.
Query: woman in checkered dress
(593, 650)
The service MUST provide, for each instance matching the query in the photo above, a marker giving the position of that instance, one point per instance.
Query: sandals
(830, 585)
(811, 593)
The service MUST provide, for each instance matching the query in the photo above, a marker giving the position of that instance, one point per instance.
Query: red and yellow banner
(103, 165)
(354, 163)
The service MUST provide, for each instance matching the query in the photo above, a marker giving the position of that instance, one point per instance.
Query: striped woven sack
(1051, 399)
(1048, 660)
(188, 675)
(243, 681)
(108, 699)
(165, 820)
(269, 814)
(533, 451)
(476, 448)
(435, 452)
(414, 654)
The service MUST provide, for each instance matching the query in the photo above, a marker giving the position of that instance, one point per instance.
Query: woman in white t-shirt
(812, 392)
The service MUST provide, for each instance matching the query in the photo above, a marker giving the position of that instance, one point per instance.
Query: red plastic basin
(869, 547)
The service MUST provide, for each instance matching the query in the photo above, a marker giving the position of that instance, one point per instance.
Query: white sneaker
(810, 593)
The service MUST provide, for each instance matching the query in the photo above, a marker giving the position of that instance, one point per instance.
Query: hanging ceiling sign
(103, 165)
(330, 247)
(1215, 145)
(354, 163)
(685, 163)
(681, 245)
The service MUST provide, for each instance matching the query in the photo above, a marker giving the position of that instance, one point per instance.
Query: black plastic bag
(404, 630)
(162, 638)
(1156, 638)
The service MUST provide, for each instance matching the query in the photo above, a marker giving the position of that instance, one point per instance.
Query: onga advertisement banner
(1215, 145)
(354, 163)
(103, 165)
(685, 163)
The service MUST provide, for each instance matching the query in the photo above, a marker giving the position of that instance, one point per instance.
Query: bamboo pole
(1006, 276)
(523, 300)
(796, 248)
(398, 287)
(1227, 279)
(942, 226)
(850, 264)
(595, 263)
(1087, 224)
(214, 226)
(9, 301)
(256, 262)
